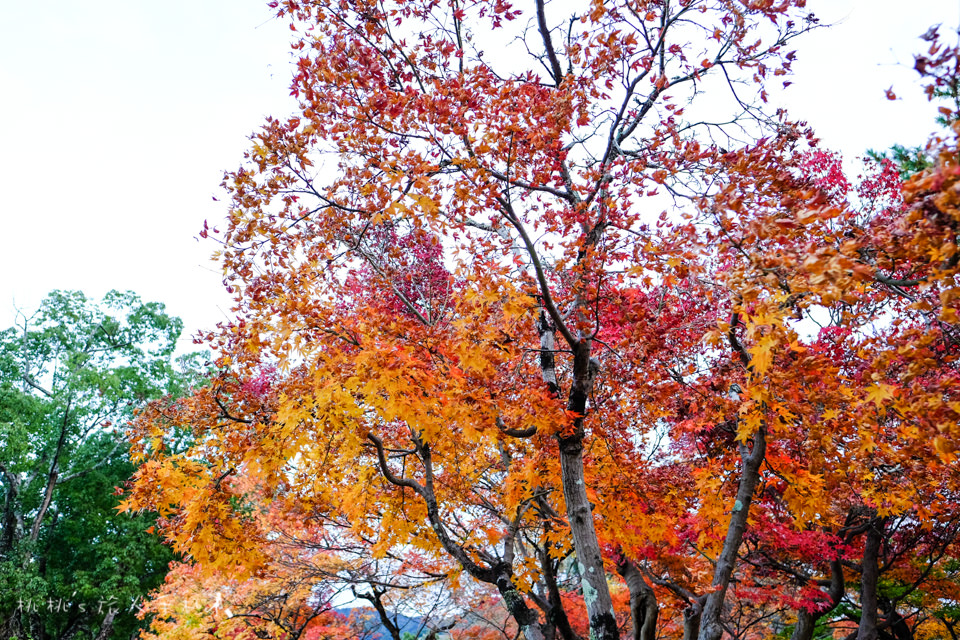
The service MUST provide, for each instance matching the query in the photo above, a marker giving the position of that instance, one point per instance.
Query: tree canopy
(540, 311)
(70, 375)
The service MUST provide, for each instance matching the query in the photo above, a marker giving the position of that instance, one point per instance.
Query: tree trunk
(710, 627)
(691, 621)
(643, 601)
(557, 615)
(9, 529)
(806, 623)
(806, 620)
(527, 619)
(596, 593)
(52, 476)
(107, 625)
(868, 580)
(895, 622)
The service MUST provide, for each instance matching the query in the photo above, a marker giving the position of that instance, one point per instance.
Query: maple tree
(874, 447)
(862, 479)
(468, 349)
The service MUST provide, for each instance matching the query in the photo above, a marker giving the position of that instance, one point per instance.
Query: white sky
(118, 118)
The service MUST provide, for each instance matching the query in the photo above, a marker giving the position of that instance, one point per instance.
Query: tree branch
(548, 43)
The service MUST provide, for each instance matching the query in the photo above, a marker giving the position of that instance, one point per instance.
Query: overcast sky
(120, 116)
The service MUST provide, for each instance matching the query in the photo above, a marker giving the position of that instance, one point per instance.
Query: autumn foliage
(473, 363)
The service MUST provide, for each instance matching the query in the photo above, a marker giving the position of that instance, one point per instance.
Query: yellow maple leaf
(761, 356)
(749, 425)
(877, 393)
(944, 448)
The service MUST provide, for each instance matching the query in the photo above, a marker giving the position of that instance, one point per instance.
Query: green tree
(70, 376)
(908, 160)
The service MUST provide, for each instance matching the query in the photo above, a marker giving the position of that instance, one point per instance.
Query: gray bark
(806, 623)
(556, 615)
(527, 619)
(596, 593)
(710, 625)
(644, 609)
(107, 625)
(548, 361)
(691, 621)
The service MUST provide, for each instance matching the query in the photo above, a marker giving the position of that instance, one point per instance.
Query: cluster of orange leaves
(356, 419)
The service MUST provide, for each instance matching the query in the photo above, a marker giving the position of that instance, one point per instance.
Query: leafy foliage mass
(70, 565)
(476, 373)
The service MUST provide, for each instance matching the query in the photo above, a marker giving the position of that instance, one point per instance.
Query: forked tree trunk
(644, 609)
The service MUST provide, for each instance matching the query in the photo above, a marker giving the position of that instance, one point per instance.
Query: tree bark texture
(644, 609)
(556, 616)
(868, 580)
(107, 627)
(691, 621)
(596, 593)
(527, 619)
(710, 625)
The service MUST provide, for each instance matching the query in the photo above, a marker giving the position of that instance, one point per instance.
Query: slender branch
(226, 412)
(387, 473)
(548, 302)
(515, 433)
(568, 195)
(548, 43)
(894, 282)
(33, 383)
(735, 342)
(104, 460)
